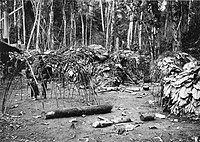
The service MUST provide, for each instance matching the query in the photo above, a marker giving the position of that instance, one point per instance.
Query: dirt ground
(24, 124)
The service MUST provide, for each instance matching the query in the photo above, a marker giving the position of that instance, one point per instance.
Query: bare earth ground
(23, 125)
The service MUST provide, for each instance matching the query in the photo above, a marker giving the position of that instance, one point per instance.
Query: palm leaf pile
(182, 91)
(168, 63)
(180, 79)
(122, 67)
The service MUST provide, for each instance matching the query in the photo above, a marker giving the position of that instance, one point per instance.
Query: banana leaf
(195, 94)
(197, 85)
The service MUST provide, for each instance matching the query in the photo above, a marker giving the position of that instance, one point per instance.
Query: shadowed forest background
(148, 27)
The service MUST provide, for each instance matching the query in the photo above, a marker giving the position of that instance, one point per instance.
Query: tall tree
(65, 25)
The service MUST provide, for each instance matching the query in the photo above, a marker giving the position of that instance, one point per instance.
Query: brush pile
(122, 67)
(169, 62)
(72, 69)
(180, 74)
(182, 91)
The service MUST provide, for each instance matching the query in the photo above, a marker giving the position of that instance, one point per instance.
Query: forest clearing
(25, 122)
(99, 71)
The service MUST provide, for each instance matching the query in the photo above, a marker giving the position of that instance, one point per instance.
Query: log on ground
(78, 111)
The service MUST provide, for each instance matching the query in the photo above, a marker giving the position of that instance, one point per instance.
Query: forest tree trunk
(38, 28)
(83, 30)
(24, 24)
(112, 45)
(65, 25)
(108, 21)
(34, 25)
(130, 32)
(102, 17)
(140, 27)
(86, 29)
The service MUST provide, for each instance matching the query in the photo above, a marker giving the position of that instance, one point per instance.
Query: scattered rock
(153, 127)
(158, 139)
(14, 137)
(145, 87)
(72, 126)
(147, 117)
(19, 94)
(139, 122)
(151, 102)
(120, 131)
(130, 127)
(132, 89)
(83, 139)
(103, 123)
(175, 120)
(15, 106)
(73, 120)
(121, 108)
(37, 116)
(45, 123)
(21, 113)
(124, 114)
(161, 116)
(121, 120)
(196, 138)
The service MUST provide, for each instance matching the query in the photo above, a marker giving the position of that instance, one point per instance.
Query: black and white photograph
(99, 70)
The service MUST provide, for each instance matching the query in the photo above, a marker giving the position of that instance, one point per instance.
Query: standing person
(33, 84)
(42, 71)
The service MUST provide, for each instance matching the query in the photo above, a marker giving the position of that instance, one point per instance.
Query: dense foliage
(148, 26)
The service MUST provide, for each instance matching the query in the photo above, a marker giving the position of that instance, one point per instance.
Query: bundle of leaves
(123, 67)
(169, 62)
(108, 74)
(181, 93)
(74, 63)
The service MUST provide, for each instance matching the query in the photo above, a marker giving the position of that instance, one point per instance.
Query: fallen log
(78, 111)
